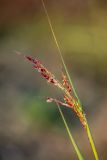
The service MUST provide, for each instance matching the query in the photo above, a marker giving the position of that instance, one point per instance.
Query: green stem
(92, 142)
(80, 157)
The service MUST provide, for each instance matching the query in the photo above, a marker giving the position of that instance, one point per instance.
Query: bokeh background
(30, 128)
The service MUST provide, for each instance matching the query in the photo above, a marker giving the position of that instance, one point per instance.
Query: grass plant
(69, 93)
(71, 83)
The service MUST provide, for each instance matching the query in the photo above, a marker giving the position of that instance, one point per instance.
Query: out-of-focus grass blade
(80, 157)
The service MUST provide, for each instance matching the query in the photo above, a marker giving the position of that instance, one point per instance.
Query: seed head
(69, 100)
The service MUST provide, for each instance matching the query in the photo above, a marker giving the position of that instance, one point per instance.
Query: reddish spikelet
(65, 87)
(66, 83)
(49, 100)
(34, 61)
(68, 101)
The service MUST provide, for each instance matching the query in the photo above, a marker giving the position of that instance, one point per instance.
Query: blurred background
(30, 128)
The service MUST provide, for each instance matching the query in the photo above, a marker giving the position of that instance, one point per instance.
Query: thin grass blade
(80, 157)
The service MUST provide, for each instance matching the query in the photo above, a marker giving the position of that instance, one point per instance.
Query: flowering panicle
(44, 72)
(69, 100)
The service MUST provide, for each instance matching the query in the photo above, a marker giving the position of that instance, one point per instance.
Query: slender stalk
(92, 142)
(80, 157)
(59, 50)
(70, 80)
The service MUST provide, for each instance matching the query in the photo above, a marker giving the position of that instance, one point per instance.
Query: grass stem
(92, 142)
(80, 157)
